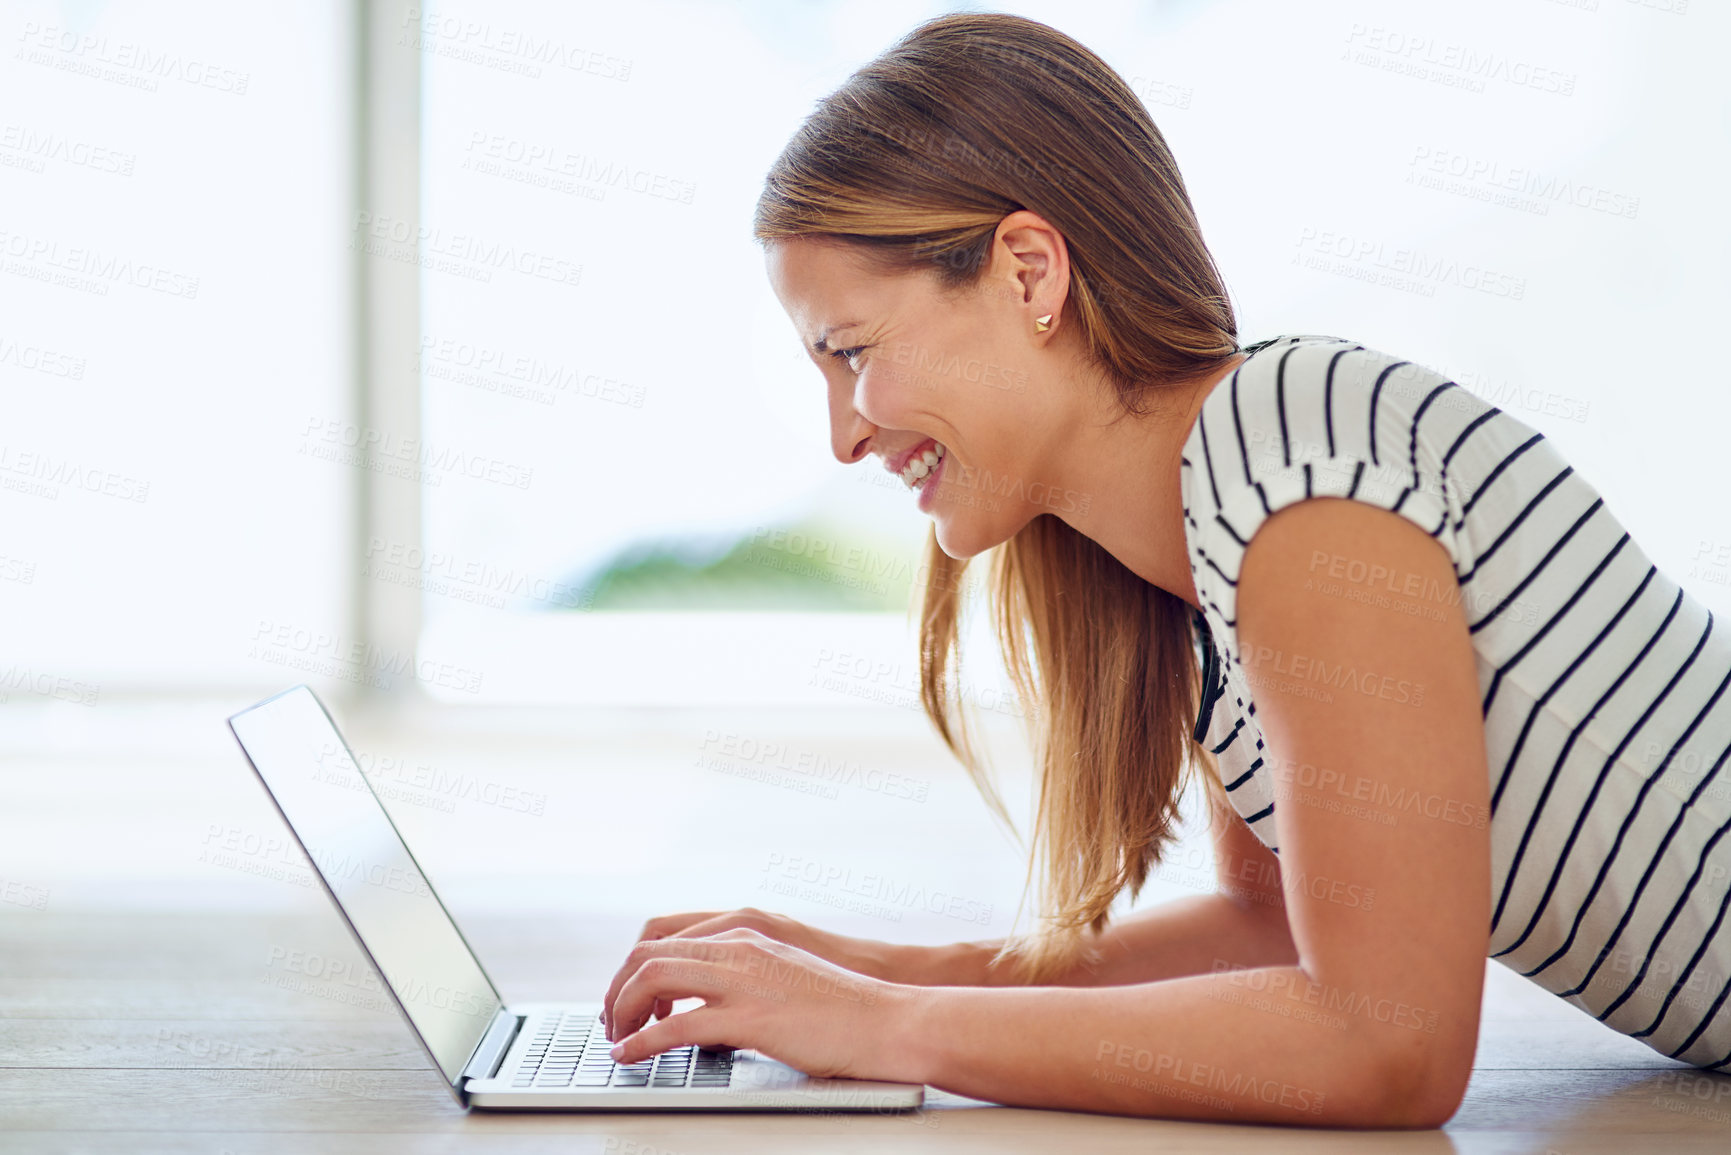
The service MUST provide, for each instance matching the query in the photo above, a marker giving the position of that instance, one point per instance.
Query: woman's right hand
(891, 962)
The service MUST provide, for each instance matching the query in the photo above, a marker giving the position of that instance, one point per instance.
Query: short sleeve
(1323, 419)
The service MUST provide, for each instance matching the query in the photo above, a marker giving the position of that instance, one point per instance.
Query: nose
(850, 434)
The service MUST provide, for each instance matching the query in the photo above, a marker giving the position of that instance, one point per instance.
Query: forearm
(1182, 937)
(1185, 936)
(1221, 1046)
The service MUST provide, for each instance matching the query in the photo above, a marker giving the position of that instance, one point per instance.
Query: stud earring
(1041, 324)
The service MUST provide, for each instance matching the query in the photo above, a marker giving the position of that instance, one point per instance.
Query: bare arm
(1375, 1022)
(1241, 925)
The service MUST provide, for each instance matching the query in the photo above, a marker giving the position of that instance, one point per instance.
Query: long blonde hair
(915, 160)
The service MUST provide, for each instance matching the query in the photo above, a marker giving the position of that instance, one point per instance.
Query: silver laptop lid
(309, 772)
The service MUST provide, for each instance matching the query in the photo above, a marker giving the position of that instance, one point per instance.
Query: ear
(1032, 263)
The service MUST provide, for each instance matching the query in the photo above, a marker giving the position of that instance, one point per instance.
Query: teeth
(919, 467)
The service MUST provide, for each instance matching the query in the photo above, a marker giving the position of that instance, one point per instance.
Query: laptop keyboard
(570, 1050)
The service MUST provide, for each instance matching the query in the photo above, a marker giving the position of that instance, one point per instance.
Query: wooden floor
(186, 1032)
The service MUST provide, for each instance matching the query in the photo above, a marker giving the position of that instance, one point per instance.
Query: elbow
(1415, 1087)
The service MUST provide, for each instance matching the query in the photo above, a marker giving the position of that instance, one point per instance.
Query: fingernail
(617, 1052)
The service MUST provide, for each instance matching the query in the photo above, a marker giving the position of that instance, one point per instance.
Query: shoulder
(1306, 417)
(1307, 397)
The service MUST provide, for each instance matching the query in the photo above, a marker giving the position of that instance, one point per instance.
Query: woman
(1449, 708)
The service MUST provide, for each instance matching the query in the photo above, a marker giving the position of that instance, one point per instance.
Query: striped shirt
(1606, 687)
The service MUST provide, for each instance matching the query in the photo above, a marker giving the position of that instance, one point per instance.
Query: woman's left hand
(759, 993)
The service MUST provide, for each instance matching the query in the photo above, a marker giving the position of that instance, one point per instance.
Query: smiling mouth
(921, 465)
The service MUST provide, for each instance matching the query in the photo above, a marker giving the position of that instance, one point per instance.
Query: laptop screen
(309, 771)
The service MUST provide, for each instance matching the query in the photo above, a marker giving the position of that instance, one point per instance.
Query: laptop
(549, 1056)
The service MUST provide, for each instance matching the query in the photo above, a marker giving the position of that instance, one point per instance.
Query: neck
(1130, 468)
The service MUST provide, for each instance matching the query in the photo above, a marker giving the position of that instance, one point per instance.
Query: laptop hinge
(494, 1044)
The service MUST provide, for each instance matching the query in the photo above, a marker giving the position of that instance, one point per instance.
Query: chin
(962, 538)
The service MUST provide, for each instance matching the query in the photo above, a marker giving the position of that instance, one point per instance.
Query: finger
(729, 920)
(663, 978)
(678, 946)
(645, 949)
(668, 925)
(664, 926)
(704, 1027)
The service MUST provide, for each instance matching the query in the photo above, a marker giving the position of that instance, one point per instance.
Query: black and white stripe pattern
(1606, 687)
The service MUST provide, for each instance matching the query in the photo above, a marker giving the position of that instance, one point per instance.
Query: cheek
(891, 395)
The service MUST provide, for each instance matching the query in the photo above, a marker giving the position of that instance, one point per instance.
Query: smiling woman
(1449, 710)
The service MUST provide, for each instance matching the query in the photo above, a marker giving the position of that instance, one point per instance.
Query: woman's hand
(880, 960)
(860, 955)
(759, 993)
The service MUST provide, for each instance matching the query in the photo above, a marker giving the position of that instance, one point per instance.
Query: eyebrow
(821, 345)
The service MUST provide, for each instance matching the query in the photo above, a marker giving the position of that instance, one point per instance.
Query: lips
(928, 485)
(901, 462)
(920, 464)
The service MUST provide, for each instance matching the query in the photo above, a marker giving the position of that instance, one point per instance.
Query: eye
(846, 356)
